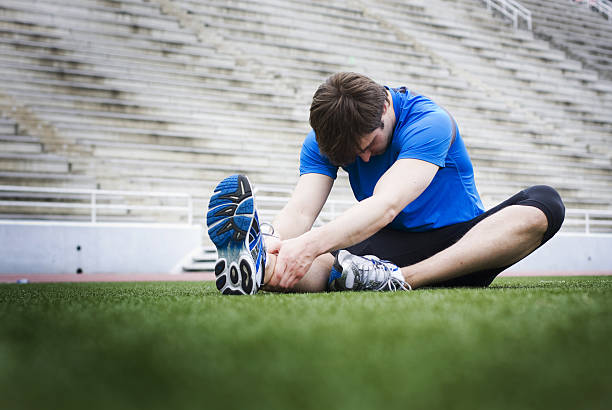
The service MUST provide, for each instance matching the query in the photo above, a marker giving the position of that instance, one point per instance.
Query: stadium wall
(569, 254)
(62, 248)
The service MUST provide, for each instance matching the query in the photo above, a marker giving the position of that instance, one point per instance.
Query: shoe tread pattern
(230, 218)
(230, 211)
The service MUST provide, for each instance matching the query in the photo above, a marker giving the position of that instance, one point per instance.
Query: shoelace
(396, 284)
(389, 281)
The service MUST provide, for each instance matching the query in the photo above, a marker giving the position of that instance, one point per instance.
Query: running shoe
(233, 226)
(352, 272)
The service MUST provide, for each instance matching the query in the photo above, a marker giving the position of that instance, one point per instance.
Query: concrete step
(18, 145)
(47, 179)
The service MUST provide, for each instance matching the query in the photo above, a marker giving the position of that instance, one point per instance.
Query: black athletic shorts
(407, 248)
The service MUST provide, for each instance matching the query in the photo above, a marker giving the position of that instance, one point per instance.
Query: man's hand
(273, 244)
(292, 263)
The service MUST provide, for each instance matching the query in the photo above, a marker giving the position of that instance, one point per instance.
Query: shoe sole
(231, 213)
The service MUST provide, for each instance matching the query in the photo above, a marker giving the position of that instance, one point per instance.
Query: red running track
(109, 277)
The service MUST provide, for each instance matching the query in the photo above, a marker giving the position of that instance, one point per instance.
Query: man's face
(377, 142)
(374, 143)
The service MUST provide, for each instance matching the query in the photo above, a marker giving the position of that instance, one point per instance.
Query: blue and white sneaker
(233, 226)
(352, 272)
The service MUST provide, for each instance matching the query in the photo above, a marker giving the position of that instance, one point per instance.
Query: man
(419, 220)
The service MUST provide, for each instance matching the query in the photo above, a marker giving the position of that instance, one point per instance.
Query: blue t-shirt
(423, 131)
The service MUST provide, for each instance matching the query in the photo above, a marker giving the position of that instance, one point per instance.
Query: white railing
(602, 6)
(588, 221)
(333, 207)
(511, 9)
(58, 198)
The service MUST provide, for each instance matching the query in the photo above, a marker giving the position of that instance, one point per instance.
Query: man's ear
(386, 106)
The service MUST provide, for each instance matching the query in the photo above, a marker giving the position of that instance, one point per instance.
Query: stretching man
(419, 220)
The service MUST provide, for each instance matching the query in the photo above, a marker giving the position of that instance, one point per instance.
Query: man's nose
(365, 156)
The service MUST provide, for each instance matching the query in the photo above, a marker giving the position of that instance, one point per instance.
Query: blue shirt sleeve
(428, 138)
(312, 161)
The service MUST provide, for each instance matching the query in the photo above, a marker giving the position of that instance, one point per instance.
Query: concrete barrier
(68, 248)
(569, 254)
(60, 248)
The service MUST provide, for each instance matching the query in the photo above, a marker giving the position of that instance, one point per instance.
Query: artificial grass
(524, 343)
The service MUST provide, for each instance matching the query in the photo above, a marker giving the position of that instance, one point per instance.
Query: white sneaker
(352, 272)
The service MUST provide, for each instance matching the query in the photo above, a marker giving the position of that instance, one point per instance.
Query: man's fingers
(282, 282)
(273, 246)
(287, 277)
(272, 280)
(275, 280)
(277, 274)
(291, 280)
(286, 283)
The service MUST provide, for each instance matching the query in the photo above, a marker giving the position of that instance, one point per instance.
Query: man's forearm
(305, 204)
(398, 187)
(355, 225)
(291, 223)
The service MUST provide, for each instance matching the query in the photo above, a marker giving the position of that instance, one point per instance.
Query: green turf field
(524, 343)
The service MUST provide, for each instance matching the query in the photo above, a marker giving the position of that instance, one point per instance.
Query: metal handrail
(511, 9)
(588, 218)
(93, 204)
(602, 6)
(519, 6)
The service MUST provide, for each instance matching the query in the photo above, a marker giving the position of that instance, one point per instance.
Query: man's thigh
(407, 248)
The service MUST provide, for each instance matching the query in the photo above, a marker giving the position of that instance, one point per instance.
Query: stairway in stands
(573, 27)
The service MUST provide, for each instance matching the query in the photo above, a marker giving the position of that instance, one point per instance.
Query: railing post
(93, 208)
(587, 223)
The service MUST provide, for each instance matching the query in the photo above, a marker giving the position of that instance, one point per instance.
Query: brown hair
(344, 108)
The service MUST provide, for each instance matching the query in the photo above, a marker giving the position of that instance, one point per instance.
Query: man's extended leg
(474, 252)
(497, 241)
(465, 254)
(314, 281)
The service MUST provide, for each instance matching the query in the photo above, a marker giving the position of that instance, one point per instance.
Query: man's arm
(305, 204)
(398, 187)
(297, 216)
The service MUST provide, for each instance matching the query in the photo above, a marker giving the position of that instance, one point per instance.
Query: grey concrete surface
(60, 248)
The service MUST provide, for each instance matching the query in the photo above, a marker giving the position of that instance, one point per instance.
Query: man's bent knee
(534, 220)
(547, 200)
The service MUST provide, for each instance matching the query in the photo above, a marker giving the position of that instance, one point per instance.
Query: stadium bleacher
(172, 95)
(584, 34)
